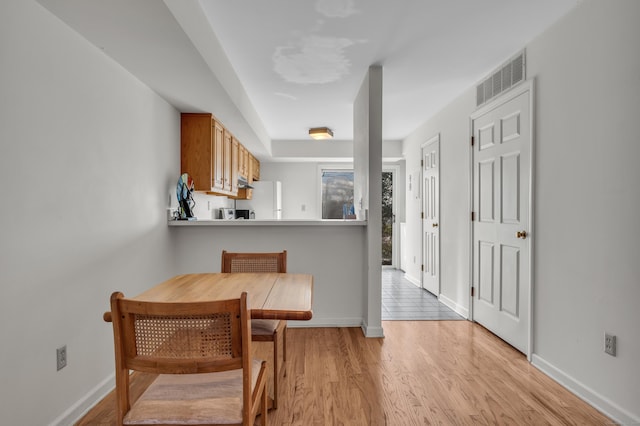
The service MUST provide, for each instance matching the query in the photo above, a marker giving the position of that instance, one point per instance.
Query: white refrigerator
(266, 200)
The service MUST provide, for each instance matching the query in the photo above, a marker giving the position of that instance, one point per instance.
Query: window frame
(329, 167)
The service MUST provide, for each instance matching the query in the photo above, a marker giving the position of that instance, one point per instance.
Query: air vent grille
(504, 78)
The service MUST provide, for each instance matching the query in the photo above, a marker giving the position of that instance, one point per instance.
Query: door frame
(435, 139)
(395, 228)
(528, 85)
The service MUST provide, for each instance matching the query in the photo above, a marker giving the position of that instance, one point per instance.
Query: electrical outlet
(610, 344)
(61, 357)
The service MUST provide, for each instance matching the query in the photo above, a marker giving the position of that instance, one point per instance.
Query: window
(337, 190)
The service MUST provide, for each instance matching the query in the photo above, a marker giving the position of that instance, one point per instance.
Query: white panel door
(431, 215)
(501, 245)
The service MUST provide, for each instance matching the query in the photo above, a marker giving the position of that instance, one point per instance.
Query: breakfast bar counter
(271, 222)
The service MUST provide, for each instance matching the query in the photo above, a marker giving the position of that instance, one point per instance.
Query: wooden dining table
(271, 295)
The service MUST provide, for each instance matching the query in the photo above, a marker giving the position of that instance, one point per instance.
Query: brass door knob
(435, 225)
(521, 234)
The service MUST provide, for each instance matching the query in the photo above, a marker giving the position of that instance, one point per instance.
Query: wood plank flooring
(421, 373)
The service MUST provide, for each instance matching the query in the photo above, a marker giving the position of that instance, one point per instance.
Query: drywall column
(367, 164)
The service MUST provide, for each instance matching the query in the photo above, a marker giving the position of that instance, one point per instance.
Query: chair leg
(264, 408)
(284, 347)
(275, 370)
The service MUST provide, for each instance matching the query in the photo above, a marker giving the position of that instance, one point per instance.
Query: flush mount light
(321, 133)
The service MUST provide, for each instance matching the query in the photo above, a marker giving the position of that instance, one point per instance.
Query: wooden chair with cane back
(263, 330)
(201, 352)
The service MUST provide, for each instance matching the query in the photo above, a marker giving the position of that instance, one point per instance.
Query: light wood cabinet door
(247, 163)
(196, 151)
(218, 156)
(235, 147)
(240, 160)
(227, 161)
(246, 193)
(255, 168)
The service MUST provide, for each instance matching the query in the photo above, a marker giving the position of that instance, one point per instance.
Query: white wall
(587, 71)
(87, 157)
(332, 254)
(329, 149)
(587, 200)
(206, 206)
(300, 186)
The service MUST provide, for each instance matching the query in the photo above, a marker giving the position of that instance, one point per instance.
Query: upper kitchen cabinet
(197, 154)
(212, 156)
(254, 167)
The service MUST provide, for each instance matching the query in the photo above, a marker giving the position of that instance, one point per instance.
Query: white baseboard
(459, 309)
(372, 332)
(326, 322)
(593, 398)
(413, 280)
(339, 322)
(80, 408)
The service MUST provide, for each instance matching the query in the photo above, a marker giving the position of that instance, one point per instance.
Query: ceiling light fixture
(321, 133)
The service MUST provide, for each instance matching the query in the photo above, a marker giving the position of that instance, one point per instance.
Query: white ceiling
(270, 70)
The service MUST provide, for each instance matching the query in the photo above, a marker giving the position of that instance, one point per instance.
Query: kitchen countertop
(267, 222)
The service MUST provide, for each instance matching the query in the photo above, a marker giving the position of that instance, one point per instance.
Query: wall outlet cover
(61, 357)
(610, 344)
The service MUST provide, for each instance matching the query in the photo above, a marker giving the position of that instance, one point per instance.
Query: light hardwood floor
(421, 373)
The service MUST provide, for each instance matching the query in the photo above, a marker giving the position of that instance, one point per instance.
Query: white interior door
(501, 244)
(431, 215)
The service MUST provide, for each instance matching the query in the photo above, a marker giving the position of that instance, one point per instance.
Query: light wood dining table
(271, 295)
(281, 296)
